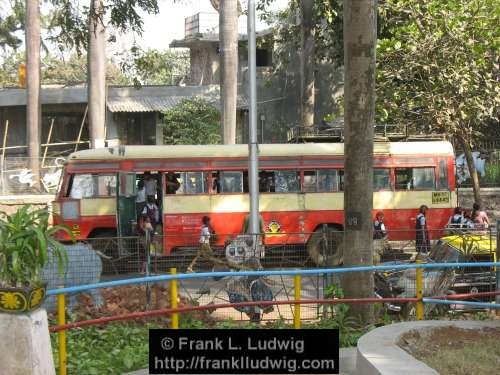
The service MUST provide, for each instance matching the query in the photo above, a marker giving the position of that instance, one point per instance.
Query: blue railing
(288, 272)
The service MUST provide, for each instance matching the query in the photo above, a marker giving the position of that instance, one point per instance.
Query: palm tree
(360, 20)
(228, 40)
(33, 107)
(97, 74)
(307, 62)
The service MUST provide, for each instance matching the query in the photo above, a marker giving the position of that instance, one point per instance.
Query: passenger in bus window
(172, 184)
(216, 182)
(150, 184)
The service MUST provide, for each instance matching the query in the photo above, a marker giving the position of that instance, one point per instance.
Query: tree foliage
(328, 37)
(439, 67)
(69, 20)
(56, 70)
(10, 23)
(155, 67)
(192, 121)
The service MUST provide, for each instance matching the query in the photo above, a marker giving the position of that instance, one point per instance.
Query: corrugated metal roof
(143, 104)
(160, 103)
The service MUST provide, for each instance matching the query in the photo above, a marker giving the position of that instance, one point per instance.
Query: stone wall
(11, 203)
(489, 196)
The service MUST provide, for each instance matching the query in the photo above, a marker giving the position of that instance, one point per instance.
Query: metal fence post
(297, 290)
(420, 293)
(61, 320)
(173, 299)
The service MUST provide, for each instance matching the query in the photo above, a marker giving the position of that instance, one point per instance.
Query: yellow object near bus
(22, 75)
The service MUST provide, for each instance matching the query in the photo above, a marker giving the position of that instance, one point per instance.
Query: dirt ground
(453, 351)
(129, 299)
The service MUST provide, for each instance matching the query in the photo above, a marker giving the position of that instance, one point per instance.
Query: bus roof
(241, 150)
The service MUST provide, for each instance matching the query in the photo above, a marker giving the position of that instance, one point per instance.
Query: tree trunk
(472, 168)
(359, 100)
(33, 107)
(97, 75)
(228, 36)
(307, 63)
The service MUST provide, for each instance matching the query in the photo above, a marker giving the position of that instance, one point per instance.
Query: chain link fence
(111, 258)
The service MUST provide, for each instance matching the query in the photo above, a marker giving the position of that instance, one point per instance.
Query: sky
(161, 29)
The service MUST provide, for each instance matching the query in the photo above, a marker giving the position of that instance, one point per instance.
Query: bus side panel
(94, 214)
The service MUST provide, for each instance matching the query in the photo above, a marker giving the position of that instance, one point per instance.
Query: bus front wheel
(325, 247)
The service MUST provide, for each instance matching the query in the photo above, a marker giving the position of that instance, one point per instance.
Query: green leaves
(434, 67)
(25, 241)
(155, 67)
(112, 349)
(192, 121)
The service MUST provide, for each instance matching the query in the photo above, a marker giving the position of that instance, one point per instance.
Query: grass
(117, 348)
(481, 357)
(112, 349)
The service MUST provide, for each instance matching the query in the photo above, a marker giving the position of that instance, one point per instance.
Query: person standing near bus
(150, 184)
(380, 243)
(379, 229)
(480, 218)
(140, 198)
(422, 241)
(456, 221)
(205, 251)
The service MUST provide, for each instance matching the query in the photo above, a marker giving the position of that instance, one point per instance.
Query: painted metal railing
(174, 310)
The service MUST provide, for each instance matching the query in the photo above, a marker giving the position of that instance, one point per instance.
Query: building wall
(205, 64)
(16, 133)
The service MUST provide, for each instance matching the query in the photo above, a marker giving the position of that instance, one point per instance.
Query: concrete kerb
(378, 352)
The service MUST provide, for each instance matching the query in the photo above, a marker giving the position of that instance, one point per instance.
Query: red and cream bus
(301, 189)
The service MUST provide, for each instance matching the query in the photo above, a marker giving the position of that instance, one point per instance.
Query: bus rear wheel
(325, 247)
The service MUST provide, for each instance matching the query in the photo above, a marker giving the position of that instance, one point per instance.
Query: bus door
(126, 216)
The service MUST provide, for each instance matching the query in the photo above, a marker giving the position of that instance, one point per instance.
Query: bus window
(231, 182)
(310, 181)
(443, 175)
(266, 182)
(193, 183)
(381, 179)
(92, 185)
(330, 180)
(415, 178)
(287, 181)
